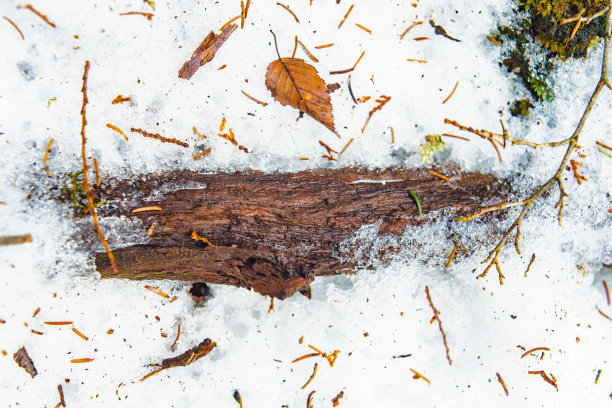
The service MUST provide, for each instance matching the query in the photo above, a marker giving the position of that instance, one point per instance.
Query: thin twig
(436, 313)
(39, 14)
(14, 25)
(503, 383)
(572, 142)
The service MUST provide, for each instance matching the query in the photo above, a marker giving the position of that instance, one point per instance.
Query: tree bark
(275, 232)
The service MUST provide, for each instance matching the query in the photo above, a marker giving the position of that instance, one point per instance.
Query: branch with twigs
(571, 142)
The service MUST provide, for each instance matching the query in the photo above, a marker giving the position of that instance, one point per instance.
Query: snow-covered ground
(488, 326)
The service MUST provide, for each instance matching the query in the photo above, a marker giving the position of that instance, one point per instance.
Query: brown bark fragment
(24, 361)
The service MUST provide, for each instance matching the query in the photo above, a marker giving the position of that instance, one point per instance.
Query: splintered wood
(185, 358)
(436, 316)
(206, 51)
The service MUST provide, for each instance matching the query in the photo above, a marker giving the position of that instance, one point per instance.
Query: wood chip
(24, 361)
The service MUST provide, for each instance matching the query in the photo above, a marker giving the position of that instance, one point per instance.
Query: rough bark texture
(275, 232)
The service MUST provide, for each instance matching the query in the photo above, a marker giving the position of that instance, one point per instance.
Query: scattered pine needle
(552, 381)
(416, 60)
(295, 47)
(530, 263)
(178, 334)
(381, 102)
(81, 360)
(346, 71)
(493, 40)
(314, 372)
(416, 23)
(603, 145)
(242, 16)
(159, 137)
(120, 99)
(437, 317)
(443, 177)
(392, 135)
(37, 332)
(421, 38)
(201, 154)
(312, 57)
(452, 255)
(222, 125)
(289, 10)
(14, 25)
(305, 357)
(418, 375)
(81, 335)
(61, 395)
(58, 323)
(116, 129)
(346, 146)
(418, 203)
(39, 14)
(455, 136)
(318, 47)
(201, 136)
(329, 149)
(603, 314)
(230, 21)
(157, 291)
(451, 94)
(149, 16)
(367, 30)
(97, 172)
(196, 237)
(346, 15)
(144, 209)
(47, 150)
(309, 400)
(36, 312)
(534, 349)
(254, 99)
(222, 67)
(503, 383)
(605, 284)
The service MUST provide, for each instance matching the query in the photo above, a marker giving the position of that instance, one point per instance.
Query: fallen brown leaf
(296, 83)
(206, 51)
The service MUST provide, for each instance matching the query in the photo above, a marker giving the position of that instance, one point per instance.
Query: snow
(554, 306)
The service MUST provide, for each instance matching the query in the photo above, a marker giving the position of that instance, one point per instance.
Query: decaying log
(274, 232)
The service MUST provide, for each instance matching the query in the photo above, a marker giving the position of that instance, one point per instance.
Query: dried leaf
(296, 83)
(206, 51)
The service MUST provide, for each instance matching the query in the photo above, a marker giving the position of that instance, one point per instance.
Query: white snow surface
(488, 326)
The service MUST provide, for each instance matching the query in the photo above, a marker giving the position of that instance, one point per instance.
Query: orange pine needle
(443, 177)
(295, 47)
(222, 67)
(418, 375)
(37, 332)
(603, 145)
(47, 150)
(416, 60)
(456, 137)
(503, 383)
(231, 20)
(603, 314)
(36, 312)
(39, 14)
(605, 284)
(552, 381)
(309, 400)
(143, 209)
(289, 10)
(157, 291)
(59, 323)
(201, 154)
(116, 129)
(421, 38)
(416, 23)
(451, 94)
(310, 55)
(254, 99)
(346, 15)
(149, 16)
(346, 146)
(312, 376)
(367, 30)
(81, 335)
(201, 136)
(452, 255)
(178, 334)
(534, 349)
(305, 357)
(318, 47)
(392, 135)
(81, 360)
(14, 25)
(346, 71)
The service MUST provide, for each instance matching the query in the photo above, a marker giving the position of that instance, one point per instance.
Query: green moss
(74, 192)
(521, 107)
(541, 26)
(433, 143)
